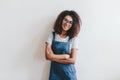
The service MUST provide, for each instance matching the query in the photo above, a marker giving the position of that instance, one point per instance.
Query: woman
(61, 46)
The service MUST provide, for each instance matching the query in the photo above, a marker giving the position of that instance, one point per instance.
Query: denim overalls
(59, 71)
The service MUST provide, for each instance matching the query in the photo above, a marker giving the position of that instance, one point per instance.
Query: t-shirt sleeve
(49, 39)
(74, 43)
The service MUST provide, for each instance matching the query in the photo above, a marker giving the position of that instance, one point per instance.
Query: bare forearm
(52, 56)
(61, 56)
(65, 61)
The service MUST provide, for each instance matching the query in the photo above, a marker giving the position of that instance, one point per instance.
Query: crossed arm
(61, 58)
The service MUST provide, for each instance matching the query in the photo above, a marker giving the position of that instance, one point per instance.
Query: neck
(63, 34)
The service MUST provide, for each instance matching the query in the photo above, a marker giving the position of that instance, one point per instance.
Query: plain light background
(25, 25)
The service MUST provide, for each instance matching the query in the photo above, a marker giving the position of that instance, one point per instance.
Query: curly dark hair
(74, 30)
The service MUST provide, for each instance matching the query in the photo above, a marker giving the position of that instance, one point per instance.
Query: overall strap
(69, 40)
(53, 36)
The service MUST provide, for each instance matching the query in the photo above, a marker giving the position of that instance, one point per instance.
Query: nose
(66, 24)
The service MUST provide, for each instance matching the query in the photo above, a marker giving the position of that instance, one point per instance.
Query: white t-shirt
(73, 43)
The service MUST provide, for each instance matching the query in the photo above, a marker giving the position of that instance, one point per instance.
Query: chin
(65, 29)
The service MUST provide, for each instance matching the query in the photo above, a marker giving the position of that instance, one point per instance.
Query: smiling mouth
(65, 27)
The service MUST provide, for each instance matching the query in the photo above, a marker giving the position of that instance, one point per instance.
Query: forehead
(69, 18)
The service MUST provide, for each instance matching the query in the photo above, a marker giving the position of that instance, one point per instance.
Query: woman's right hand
(66, 56)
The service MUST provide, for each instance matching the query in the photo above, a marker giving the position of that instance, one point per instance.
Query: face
(67, 23)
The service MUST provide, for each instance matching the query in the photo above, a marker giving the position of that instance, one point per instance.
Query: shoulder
(74, 42)
(49, 38)
(74, 39)
(51, 34)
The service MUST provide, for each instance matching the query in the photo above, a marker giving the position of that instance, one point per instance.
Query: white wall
(25, 24)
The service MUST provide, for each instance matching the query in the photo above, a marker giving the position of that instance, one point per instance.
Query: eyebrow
(68, 20)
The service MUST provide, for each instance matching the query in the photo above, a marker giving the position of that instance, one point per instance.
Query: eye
(71, 22)
(65, 20)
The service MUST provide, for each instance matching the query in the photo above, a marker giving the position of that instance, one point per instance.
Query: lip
(65, 27)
